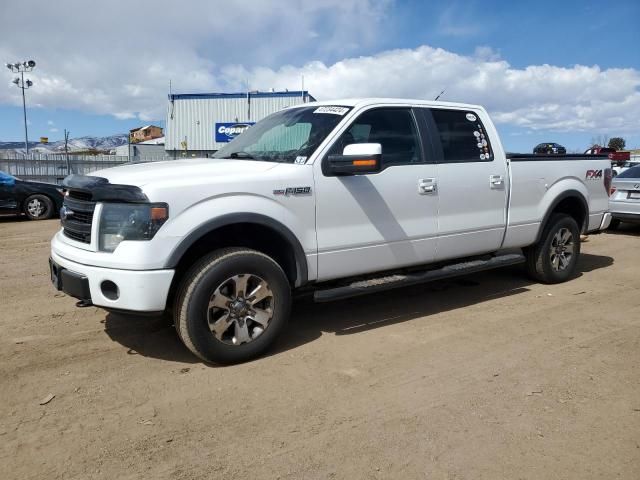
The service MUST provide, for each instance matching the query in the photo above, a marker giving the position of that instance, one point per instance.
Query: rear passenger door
(471, 183)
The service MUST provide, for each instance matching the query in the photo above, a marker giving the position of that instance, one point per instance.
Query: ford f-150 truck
(333, 199)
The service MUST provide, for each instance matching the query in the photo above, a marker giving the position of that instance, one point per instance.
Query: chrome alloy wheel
(562, 249)
(35, 208)
(240, 309)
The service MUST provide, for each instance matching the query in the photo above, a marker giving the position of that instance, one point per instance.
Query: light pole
(23, 84)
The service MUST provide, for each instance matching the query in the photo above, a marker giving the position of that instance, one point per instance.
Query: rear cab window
(459, 136)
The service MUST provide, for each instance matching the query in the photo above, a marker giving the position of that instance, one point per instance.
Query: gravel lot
(486, 377)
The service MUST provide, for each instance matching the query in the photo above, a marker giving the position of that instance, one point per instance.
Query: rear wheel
(38, 207)
(554, 258)
(232, 305)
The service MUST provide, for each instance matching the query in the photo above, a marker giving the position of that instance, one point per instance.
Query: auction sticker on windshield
(332, 110)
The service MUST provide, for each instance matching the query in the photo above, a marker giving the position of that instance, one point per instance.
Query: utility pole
(66, 150)
(23, 85)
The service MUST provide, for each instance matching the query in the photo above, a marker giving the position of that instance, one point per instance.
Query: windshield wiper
(246, 155)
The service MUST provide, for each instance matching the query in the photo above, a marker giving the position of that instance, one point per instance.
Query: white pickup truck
(336, 198)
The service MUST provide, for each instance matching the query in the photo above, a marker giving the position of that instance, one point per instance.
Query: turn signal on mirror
(364, 163)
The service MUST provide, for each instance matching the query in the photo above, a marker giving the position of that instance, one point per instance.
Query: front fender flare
(302, 273)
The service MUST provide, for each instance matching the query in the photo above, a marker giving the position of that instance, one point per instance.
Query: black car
(549, 149)
(37, 200)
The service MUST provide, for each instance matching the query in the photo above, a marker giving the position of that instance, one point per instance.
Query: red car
(615, 156)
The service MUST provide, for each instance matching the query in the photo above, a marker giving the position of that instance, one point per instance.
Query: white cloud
(577, 98)
(119, 64)
(53, 130)
(107, 58)
(50, 122)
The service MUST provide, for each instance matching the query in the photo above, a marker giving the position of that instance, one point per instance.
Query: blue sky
(520, 59)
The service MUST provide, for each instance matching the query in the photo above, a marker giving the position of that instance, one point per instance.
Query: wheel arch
(250, 230)
(570, 202)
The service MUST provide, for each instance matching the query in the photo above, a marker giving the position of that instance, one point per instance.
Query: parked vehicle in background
(619, 160)
(618, 168)
(624, 202)
(549, 149)
(37, 200)
(333, 199)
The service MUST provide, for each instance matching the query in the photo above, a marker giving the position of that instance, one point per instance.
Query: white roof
(153, 141)
(362, 102)
(142, 128)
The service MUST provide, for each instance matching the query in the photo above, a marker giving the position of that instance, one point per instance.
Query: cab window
(462, 136)
(393, 128)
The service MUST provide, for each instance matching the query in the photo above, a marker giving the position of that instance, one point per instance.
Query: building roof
(142, 128)
(286, 94)
(153, 141)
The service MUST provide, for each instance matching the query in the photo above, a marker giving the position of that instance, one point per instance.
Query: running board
(373, 285)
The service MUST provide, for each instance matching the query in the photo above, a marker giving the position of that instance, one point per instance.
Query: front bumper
(137, 290)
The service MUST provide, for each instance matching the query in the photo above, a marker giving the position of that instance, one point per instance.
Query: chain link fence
(53, 168)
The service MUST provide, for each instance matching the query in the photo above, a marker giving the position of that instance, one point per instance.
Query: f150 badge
(593, 174)
(293, 191)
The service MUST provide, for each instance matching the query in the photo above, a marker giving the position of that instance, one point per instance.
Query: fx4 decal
(293, 191)
(593, 174)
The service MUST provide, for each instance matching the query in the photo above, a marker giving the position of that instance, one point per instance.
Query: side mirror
(356, 159)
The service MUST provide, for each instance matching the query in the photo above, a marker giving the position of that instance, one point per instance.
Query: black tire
(539, 262)
(193, 314)
(38, 207)
(615, 223)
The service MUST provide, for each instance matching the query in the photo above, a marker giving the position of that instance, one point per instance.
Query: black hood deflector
(102, 191)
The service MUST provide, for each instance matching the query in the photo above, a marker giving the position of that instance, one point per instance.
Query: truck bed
(530, 157)
(539, 180)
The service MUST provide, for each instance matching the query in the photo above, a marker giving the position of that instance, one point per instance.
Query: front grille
(77, 215)
(79, 237)
(80, 195)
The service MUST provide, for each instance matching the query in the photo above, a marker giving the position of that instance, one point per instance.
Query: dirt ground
(486, 377)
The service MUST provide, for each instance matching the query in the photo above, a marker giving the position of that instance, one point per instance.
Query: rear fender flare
(554, 204)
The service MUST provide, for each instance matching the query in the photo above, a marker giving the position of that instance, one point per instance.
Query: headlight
(129, 221)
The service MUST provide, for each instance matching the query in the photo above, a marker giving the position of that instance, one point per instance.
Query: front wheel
(554, 258)
(38, 207)
(232, 305)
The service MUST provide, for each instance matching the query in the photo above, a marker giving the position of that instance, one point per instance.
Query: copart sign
(225, 132)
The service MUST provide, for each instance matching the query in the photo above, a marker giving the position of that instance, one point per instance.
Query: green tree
(617, 142)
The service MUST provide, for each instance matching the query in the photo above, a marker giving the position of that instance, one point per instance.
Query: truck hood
(151, 173)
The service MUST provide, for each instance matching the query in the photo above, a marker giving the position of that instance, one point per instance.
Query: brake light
(608, 177)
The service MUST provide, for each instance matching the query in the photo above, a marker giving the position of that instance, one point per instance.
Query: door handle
(496, 182)
(427, 186)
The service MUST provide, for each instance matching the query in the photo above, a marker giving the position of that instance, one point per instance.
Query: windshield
(633, 172)
(288, 136)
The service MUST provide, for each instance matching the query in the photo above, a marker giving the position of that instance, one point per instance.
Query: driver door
(374, 222)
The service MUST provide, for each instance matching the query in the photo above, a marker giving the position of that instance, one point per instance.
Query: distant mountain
(103, 144)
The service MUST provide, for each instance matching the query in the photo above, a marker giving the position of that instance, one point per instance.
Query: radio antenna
(439, 95)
